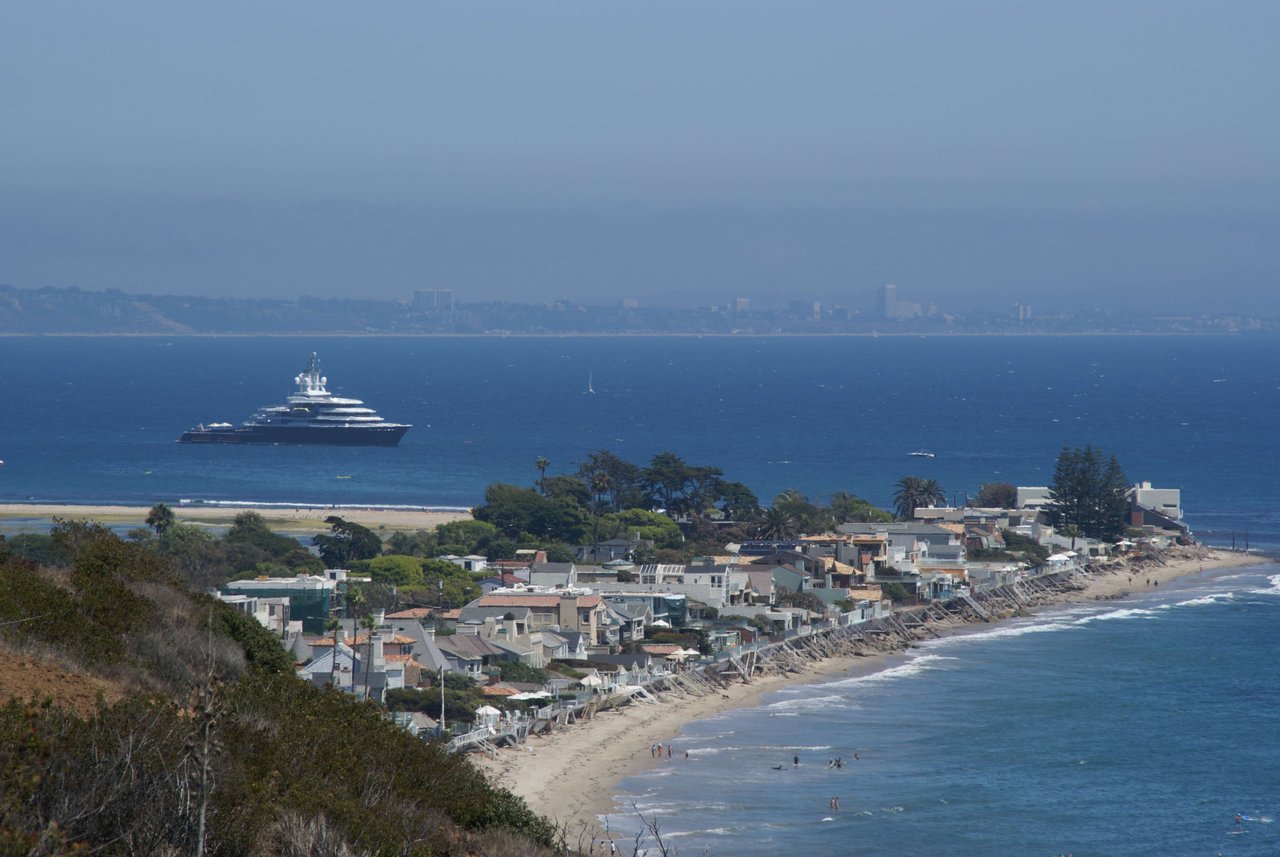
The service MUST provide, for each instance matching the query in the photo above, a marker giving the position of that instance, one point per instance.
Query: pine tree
(1088, 495)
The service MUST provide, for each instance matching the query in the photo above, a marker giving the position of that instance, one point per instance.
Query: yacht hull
(300, 435)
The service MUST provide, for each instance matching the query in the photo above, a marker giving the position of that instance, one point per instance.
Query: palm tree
(368, 624)
(356, 603)
(332, 627)
(542, 464)
(914, 492)
(1073, 531)
(776, 523)
(160, 519)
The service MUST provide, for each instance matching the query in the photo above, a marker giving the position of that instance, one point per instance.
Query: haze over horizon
(1119, 155)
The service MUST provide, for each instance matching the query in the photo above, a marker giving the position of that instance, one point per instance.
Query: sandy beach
(302, 518)
(570, 775)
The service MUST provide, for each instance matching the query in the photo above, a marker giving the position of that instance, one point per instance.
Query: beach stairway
(977, 608)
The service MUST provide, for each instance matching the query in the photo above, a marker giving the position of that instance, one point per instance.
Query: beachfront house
(310, 597)
(553, 575)
(271, 613)
(1160, 508)
(568, 609)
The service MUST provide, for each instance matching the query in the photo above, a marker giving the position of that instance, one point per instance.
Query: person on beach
(686, 755)
(669, 751)
(795, 761)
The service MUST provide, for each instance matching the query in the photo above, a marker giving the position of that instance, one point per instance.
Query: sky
(1113, 154)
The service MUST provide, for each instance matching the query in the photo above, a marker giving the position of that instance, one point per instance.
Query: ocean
(94, 420)
(1133, 727)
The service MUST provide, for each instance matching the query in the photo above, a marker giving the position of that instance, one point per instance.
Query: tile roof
(661, 648)
(411, 613)
(509, 600)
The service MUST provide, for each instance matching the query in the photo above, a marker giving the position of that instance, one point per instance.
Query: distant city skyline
(1055, 155)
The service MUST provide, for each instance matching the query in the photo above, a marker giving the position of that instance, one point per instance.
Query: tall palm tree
(369, 625)
(1073, 531)
(332, 627)
(775, 523)
(160, 518)
(542, 464)
(914, 492)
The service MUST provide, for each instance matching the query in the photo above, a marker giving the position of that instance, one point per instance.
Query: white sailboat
(589, 389)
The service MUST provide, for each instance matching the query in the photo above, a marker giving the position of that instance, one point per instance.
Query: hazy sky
(1086, 152)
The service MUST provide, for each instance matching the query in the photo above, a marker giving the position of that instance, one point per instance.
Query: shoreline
(301, 517)
(571, 775)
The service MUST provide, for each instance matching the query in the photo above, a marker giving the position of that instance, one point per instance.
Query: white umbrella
(661, 623)
(592, 681)
(691, 653)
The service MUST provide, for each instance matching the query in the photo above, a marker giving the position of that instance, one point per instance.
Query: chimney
(429, 633)
(380, 617)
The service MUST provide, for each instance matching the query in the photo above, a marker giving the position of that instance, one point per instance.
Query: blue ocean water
(94, 419)
(1128, 727)
(1122, 728)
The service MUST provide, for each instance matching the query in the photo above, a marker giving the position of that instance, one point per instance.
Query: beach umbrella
(591, 681)
(677, 655)
(691, 653)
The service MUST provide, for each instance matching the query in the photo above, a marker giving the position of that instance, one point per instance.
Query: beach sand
(12, 515)
(570, 775)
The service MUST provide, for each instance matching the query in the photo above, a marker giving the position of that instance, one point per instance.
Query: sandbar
(291, 518)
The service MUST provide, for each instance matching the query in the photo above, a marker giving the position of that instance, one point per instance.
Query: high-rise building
(427, 300)
(810, 310)
(887, 301)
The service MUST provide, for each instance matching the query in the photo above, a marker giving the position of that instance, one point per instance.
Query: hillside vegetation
(138, 718)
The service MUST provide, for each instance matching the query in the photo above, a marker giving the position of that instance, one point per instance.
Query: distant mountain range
(74, 311)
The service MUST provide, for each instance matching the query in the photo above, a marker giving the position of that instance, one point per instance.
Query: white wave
(187, 502)
(755, 748)
(808, 702)
(1215, 598)
(1274, 589)
(1111, 615)
(915, 666)
(1008, 631)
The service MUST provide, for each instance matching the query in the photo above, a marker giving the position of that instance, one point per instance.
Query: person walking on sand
(795, 761)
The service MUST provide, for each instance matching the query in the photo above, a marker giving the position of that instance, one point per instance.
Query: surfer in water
(1239, 820)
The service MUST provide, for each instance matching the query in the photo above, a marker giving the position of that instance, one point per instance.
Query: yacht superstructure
(312, 415)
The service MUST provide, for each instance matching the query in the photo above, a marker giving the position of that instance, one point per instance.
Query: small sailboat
(589, 389)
